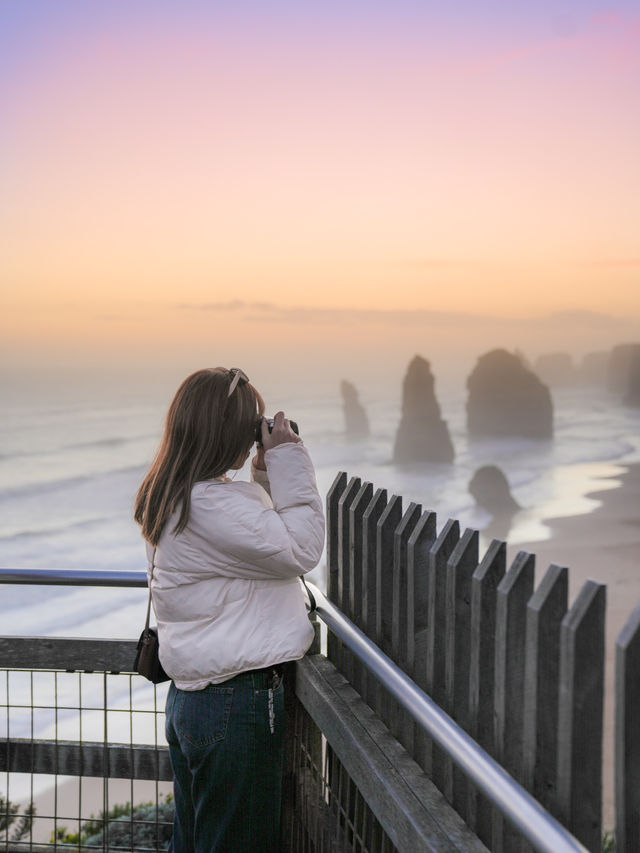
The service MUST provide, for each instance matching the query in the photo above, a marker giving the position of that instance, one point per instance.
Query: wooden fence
(517, 669)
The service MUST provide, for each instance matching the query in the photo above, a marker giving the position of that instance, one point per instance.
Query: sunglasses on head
(238, 377)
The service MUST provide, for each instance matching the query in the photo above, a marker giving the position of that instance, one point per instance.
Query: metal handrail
(523, 811)
(72, 577)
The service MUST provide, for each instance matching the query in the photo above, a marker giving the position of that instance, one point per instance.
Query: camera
(270, 422)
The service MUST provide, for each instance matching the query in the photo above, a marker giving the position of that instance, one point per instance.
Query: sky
(201, 182)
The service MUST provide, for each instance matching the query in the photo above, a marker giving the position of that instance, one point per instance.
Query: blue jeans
(226, 746)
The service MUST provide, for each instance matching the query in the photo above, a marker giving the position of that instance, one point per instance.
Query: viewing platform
(446, 705)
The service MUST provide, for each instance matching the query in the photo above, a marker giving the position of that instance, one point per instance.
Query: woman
(225, 560)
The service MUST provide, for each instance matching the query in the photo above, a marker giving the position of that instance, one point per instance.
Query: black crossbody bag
(147, 662)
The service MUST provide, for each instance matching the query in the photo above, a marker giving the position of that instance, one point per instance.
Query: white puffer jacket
(226, 591)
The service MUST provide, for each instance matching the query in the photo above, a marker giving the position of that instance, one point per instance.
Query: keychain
(272, 716)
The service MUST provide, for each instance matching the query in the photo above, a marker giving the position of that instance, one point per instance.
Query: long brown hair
(206, 432)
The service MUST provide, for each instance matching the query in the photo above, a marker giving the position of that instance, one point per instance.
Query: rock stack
(507, 398)
(422, 434)
(622, 366)
(593, 368)
(632, 397)
(355, 417)
(490, 489)
(556, 368)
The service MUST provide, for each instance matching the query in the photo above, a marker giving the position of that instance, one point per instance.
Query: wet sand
(604, 546)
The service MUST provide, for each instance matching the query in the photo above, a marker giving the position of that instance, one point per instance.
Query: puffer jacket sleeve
(261, 477)
(296, 500)
(261, 538)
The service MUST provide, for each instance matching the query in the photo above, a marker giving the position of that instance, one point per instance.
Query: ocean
(72, 457)
(71, 460)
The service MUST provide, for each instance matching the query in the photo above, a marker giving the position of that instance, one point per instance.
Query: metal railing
(72, 577)
(543, 832)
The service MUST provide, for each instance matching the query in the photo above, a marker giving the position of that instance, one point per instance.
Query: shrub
(18, 825)
(146, 826)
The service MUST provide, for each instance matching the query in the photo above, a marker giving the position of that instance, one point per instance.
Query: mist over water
(73, 453)
(74, 447)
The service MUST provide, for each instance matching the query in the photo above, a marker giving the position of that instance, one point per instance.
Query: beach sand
(604, 546)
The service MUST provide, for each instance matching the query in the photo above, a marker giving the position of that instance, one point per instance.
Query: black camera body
(270, 423)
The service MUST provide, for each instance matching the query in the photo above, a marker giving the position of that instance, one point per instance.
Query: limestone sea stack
(621, 366)
(490, 488)
(422, 434)
(355, 418)
(632, 397)
(593, 368)
(555, 368)
(507, 398)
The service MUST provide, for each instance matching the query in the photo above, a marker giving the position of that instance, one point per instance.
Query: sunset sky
(181, 176)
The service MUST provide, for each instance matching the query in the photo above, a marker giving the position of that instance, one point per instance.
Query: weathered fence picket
(418, 549)
(519, 673)
(372, 515)
(353, 503)
(356, 548)
(434, 759)
(402, 598)
(419, 545)
(460, 568)
(385, 546)
(580, 716)
(333, 545)
(344, 551)
(386, 532)
(335, 536)
(344, 664)
(401, 604)
(357, 575)
(545, 612)
(513, 593)
(628, 736)
(484, 596)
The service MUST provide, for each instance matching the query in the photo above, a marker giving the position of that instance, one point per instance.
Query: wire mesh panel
(82, 762)
(349, 784)
(328, 813)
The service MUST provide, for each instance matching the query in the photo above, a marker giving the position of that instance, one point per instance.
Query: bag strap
(146, 624)
(312, 600)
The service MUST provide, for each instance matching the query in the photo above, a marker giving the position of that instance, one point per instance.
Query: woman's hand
(280, 434)
(258, 460)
